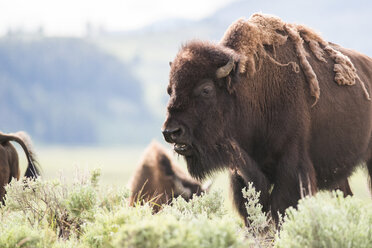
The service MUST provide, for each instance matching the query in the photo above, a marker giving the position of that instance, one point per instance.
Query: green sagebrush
(328, 220)
(15, 231)
(51, 214)
(41, 213)
(261, 227)
(200, 222)
(61, 207)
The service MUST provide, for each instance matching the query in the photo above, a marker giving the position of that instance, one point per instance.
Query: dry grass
(118, 163)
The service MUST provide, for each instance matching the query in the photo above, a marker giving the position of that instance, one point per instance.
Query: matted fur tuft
(248, 37)
(305, 65)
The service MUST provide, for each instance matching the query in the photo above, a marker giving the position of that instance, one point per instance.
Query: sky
(70, 17)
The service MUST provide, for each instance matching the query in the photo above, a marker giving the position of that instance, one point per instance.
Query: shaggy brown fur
(158, 179)
(259, 118)
(261, 30)
(9, 164)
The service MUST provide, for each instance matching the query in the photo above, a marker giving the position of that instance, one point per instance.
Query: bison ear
(170, 63)
(166, 165)
(181, 189)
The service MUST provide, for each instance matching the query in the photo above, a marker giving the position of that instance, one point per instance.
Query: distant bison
(158, 179)
(9, 164)
(276, 104)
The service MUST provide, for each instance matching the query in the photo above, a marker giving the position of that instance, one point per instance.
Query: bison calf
(158, 179)
(9, 164)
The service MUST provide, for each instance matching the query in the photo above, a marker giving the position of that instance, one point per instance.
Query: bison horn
(225, 70)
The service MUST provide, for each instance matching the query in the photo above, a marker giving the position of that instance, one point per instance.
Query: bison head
(158, 179)
(201, 111)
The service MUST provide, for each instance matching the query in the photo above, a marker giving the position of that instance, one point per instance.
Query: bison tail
(33, 168)
(22, 138)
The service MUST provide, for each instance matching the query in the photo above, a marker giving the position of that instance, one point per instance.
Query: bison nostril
(172, 134)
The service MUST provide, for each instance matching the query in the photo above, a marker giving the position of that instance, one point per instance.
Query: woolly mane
(248, 38)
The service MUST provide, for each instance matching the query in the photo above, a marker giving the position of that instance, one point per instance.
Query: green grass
(118, 164)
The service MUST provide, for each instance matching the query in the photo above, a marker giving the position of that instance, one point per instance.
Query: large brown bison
(158, 179)
(9, 164)
(276, 104)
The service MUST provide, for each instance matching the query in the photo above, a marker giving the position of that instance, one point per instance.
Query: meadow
(118, 163)
(76, 205)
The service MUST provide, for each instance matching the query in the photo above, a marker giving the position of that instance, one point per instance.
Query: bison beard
(208, 159)
(277, 105)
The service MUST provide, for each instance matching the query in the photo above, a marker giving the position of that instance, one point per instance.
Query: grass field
(118, 163)
(98, 214)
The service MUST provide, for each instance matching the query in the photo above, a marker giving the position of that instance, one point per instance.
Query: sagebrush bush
(183, 224)
(83, 214)
(64, 207)
(81, 202)
(328, 220)
(261, 227)
(112, 198)
(16, 231)
(210, 205)
(257, 219)
(101, 232)
(167, 231)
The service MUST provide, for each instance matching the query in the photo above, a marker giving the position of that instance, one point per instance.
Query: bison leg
(13, 161)
(237, 184)
(239, 178)
(4, 172)
(344, 187)
(295, 178)
(369, 167)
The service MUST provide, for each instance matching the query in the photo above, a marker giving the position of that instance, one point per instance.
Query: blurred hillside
(110, 87)
(67, 91)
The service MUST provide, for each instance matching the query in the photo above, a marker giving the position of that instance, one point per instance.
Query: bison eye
(206, 89)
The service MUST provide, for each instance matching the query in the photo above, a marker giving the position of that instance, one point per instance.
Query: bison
(277, 105)
(158, 179)
(9, 164)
